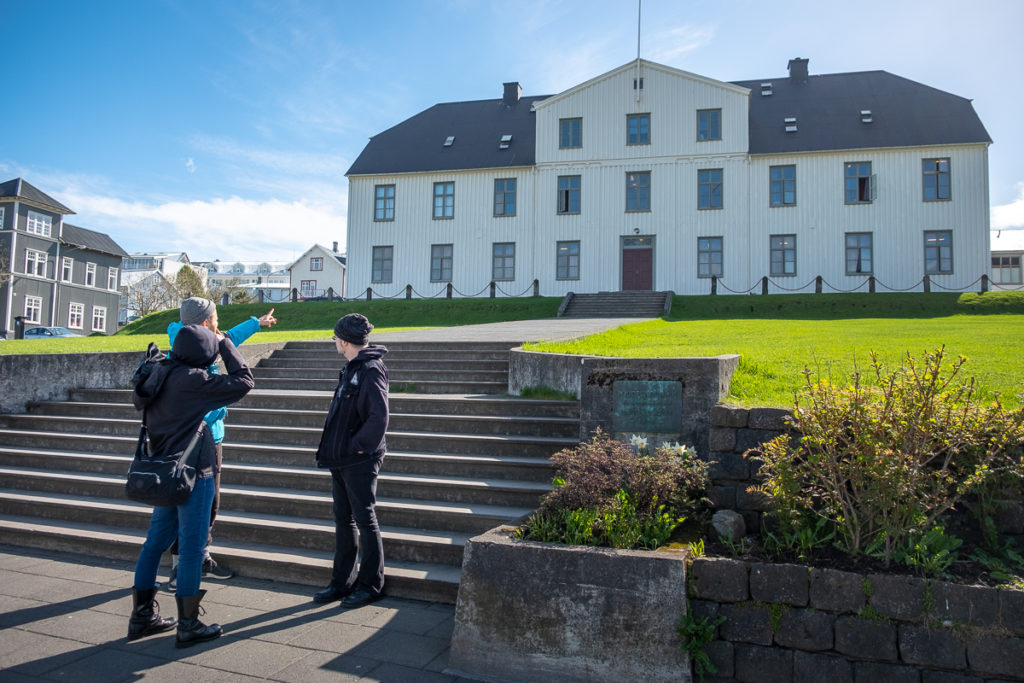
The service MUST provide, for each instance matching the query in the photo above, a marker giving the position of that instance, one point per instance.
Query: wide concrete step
(401, 347)
(630, 304)
(415, 545)
(395, 376)
(463, 517)
(277, 362)
(331, 357)
(413, 580)
(112, 418)
(319, 401)
(397, 385)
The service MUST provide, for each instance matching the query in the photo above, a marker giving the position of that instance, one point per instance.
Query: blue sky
(224, 128)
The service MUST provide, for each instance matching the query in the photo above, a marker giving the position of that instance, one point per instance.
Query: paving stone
(327, 667)
(934, 648)
(862, 638)
(394, 673)
(809, 667)
(763, 664)
(83, 626)
(836, 591)
(401, 648)
(333, 636)
(779, 583)
(239, 655)
(35, 654)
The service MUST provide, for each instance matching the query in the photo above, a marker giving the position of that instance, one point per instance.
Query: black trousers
(355, 493)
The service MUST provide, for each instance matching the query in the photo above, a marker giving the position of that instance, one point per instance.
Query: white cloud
(670, 46)
(1010, 216)
(190, 165)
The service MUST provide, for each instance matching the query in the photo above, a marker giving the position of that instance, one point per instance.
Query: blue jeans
(354, 490)
(189, 523)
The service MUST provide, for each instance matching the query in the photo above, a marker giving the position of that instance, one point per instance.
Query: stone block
(1011, 611)
(747, 439)
(721, 439)
(750, 498)
(936, 648)
(836, 591)
(875, 672)
(728, 416)
(814, 668)
(973, 605)
(897, 597)
(763, 664)
(948, 677)
(544, 611)
(723, 580)
(806, 629)
(704, 609)
(775, 419)
(782, 583)
(721, 654)
(729, 524)
(722, 497)
(728, 465)
(746, 622)
(992, 656)
(865, 639)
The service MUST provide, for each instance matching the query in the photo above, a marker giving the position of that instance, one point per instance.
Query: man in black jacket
(352, 447)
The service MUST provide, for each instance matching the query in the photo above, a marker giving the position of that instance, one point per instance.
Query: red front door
(637, 269)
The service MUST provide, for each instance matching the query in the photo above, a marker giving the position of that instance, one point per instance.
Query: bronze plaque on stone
(647, 407)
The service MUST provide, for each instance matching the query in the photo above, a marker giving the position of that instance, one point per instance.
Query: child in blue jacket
(198, 311)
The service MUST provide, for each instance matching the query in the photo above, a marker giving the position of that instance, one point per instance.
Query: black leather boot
(190, 629)
(146, 619)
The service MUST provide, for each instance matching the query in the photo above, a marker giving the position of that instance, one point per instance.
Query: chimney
(513, 91)
(798, 70)
(335, 249)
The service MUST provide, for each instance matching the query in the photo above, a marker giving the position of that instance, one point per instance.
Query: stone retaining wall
(794, 623)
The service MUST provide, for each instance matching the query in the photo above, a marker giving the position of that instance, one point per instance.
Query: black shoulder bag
(162, 480)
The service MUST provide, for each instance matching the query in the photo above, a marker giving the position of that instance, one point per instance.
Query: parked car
(48, 332)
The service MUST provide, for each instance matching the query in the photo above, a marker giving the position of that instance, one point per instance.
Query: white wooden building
(319, 272)
(648, 177)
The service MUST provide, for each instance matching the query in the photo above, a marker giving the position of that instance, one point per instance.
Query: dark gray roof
(827, 111)
(91, 240)
(826, 107)
(22, 189)
(417, 144)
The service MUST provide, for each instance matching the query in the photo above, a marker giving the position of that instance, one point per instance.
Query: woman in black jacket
(175, 397)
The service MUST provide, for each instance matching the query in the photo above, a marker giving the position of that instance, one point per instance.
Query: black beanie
(195, 346)
(353, 328)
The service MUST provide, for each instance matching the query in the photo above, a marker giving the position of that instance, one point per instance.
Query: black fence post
(449, 292)
(984, 282)
(817, 285)
(927, 283)
(369, 294)
(714, 284)
(295, 295)
(492, 288)
(225, 300)
(536, 287)
(764, 285)
(408, 291)
(330, 293)
(871, 283)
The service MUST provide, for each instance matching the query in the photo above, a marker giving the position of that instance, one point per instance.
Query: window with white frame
(112, 279)
(76, 316)
(316, 263)
(936, 179)
(783, 255)
(570, 133)
(858, 184)
(444, 200)
(39, 224)
(938, 252)
(99, 319)
(383, 260)
(638, 129)
(441, 256)
(568, 194)
(67, 267)
(709, 124)
(567, 260)
(709, 188)
(307, 289)
(33, 309)
(709, 257)
(782, 186)
(1006, 269)
(638, 191)
(503, 261)
(2, 217)
(35, 262)
(90, 274)
(384, 202)
(859, 253)
(505, 197)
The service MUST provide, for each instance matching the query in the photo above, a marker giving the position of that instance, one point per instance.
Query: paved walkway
(64, 617)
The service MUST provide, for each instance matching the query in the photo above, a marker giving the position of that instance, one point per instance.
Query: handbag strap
(186, 455)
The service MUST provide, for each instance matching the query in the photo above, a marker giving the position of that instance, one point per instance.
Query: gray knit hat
(353, 328)
(195, 310)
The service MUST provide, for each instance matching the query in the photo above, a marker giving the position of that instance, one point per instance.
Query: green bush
(883, 457)
(606, 494)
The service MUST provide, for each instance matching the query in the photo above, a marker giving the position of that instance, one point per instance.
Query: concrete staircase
(632, 304)
(457, 465)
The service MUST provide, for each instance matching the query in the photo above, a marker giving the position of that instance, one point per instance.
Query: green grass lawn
(778, 336)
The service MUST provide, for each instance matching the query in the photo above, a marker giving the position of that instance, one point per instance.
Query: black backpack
(154, 358)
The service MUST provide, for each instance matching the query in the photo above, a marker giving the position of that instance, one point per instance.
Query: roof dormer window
(790, 124)
(865, 116)
(766, 89)
(505, 141)
(449, 141)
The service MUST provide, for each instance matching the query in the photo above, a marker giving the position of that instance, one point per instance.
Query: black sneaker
(172, 581)
(212, 570)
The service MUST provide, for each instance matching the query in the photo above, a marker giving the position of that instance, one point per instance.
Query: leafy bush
(882, 458)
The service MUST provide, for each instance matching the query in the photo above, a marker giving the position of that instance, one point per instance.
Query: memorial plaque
(647, 407)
